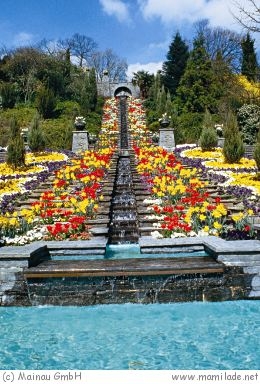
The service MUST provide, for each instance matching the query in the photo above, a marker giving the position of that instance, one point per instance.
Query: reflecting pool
(130, 336)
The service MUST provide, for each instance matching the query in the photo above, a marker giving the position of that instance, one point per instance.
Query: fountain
(123, 226)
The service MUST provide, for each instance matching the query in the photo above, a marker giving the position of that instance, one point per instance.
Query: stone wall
(107, 89)
(232, 285)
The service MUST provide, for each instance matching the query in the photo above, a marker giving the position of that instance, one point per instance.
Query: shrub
(15, 150)
(208, 138)
(189, 127)
(257, 155)
(36, 139)
(8, 95)
(249, 122)
(233, 149)
(45, 102)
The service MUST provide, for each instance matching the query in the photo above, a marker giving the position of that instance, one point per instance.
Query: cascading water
(123, 226)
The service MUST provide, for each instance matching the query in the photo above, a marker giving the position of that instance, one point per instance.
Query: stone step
(126, 267)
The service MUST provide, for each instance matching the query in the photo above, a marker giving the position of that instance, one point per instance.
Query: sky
(139, 31)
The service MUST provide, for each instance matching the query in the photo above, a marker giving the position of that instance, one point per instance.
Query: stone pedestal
(166, 138)
(80, 141)
(221, 141)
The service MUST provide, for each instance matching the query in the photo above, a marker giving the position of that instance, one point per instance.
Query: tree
(36, 139)
(144, 80)
(233, 148)
(222, 41)
(80, 46)
(110, 63)
(197, 90)
(45, 102)
(208, 138)
(174, 67)
(88, 97)
(15, 149)
(248, 16)
(8, 95)
(161, 101)
(22, 67)
(249, 67)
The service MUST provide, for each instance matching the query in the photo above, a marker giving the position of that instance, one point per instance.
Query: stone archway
(122, 91)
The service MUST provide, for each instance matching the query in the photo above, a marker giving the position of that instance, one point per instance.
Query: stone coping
(221, 249)
(212, 244)
(22, 252)
(29, 250)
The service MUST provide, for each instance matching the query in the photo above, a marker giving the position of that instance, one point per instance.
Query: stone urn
(80, 123)
(80, 126)
(165, 122)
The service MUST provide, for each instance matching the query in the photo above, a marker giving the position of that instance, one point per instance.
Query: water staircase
(123, 219)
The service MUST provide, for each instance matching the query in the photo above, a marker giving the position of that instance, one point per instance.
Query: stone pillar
(166, 139)
(80, 141)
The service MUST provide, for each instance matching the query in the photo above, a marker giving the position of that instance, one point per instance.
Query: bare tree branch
(248, 16)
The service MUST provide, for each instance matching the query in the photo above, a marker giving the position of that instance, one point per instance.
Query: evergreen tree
(45, 102)
(8, 95)
(197, 90)
(156, 83)
(88, 99)
(15, 150)
(36, 139)
(68, 135)
(249, 67)
(168, 105)
(174, 67)
(208, 138)
(161, 101)
(233, 149)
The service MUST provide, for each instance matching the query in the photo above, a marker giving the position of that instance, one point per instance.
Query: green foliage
(14, 129)
(144, 80)
(57, 133)
(93, 123)
(249, 122)
(174, 67)
(45, 102)
(257, 155)
(197, 90)
(8, 95)
(161, 101)
(23, 114)
(233, 149)
(99, 105)
(88, 96)
(36, 139)
(249, 66)
(68, 109)
(152, 117)
(188, 128)
(16, 150)
(208, 138)
(68, 136)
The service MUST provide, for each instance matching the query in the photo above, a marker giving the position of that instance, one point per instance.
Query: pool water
(130, 336)
(126, 251)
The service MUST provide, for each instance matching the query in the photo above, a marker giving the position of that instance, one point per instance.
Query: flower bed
(16, 184)
(61, 212)
(236, 177)
(184, 207)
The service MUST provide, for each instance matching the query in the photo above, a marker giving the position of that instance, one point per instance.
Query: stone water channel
(124, 225)
(79, 273)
